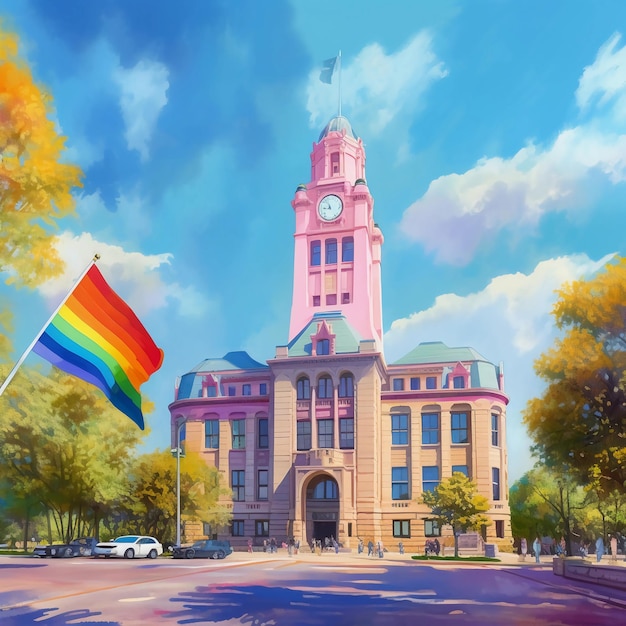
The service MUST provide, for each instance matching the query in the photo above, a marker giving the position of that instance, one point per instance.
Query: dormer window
(334, 163)
(323, 347)
(323, 341)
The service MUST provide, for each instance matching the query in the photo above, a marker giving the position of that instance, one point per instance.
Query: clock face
(330, 208)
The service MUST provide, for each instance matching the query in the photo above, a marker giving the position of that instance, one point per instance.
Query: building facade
(326, 439)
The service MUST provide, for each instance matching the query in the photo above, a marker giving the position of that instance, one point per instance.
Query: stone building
(326, 439)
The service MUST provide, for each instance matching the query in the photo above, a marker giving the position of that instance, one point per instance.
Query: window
(462, 469)
(325, 433)
(262, 528)
(316, 252)
(323, 347)
(237, 528)
(238, 478)
(264, 439)
(331, 251)
(231, 390)
(401, 528)
(325, 489)
(346, 433)
(431, 528)
(346, 386)
(399, 483)
(458, 382)
(263, 389)
(431, 382)
(415, 384)
(303, 389)
(316, 300)
(331, 299)
(262, 484)
(211, 391)
(239, 434)
(398, 384)
(212, 434)
(347, 249)
(499, 528)
(304, 435)
(334, 162)
(459, 428)
(495, 482)
(345, 298)
(495, 429)
(430, 428)
(325, 387)
(400, 429)
(246, 390)
(430, 477)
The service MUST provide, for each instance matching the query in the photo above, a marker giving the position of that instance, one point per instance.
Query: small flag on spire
(328, 67)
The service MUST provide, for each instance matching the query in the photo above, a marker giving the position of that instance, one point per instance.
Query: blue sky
(496, 143)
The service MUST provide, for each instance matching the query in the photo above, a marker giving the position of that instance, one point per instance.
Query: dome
(337, 124)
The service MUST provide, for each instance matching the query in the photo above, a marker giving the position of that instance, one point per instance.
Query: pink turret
(337, 252)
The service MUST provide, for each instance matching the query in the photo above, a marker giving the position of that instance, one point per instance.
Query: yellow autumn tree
(579, 423)
(35, 184)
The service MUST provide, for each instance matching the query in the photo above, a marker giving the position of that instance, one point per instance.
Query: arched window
(323, 347)
(325, 387)
(347, 249)
(323, 489)
(346, 386)
(331, 251)
(303, 388)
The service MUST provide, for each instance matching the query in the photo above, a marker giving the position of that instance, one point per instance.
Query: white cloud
(459, 212)
(377, 87)
(508, 321)
(143, 95)
(136, 277)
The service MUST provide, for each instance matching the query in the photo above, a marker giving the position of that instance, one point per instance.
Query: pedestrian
(563, 547)
(336, 545)
(380, 549)
(599, 548)
(370, 548)
(401, 547)
(292, 543)
(360, 546)
(264, 545)
(537, 548)
(523, 548)
(297, 546)
(273, 547)
(249, 545)
(437, 546)
(613, 548)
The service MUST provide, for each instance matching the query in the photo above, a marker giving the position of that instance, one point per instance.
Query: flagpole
(339, 80)
(21, 360)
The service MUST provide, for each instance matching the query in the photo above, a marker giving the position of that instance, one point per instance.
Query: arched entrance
(321, 508)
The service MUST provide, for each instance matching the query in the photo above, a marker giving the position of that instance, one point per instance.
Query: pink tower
(337, 244)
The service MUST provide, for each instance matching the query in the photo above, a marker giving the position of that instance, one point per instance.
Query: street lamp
(179, 427)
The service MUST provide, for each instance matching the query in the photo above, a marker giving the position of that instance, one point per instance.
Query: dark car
(205, 549)
(77, 547)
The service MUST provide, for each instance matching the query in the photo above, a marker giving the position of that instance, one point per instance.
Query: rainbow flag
(96, 336)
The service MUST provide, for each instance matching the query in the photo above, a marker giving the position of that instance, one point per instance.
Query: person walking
(523, 548)
(537, 548)
(249, 545)
(599, 548)
(613, 548)
(401, 547)
(380, 549)
(370, 548)
(360, 546)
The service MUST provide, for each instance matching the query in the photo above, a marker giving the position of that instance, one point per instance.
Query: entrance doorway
(324, 530)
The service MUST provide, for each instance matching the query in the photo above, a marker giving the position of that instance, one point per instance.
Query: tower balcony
(324, 457)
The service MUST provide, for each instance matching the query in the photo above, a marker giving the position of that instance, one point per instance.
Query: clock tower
(337, 244)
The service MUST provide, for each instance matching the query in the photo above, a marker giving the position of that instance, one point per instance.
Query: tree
(35, 185)
(150, 506)
(579, 422)
(64, 446)
(455, 502)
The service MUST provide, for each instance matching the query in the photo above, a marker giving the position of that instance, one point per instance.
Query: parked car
(129, 546)
(83, 546)
(205, 549)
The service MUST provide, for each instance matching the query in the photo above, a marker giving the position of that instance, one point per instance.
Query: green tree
(65, 446)
(455, 502)
(579, 423)
(150, 507)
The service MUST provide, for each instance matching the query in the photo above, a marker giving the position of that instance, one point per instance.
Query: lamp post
(179, 427)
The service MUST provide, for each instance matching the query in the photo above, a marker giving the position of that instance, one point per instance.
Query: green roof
(438, 352)
(347, 339)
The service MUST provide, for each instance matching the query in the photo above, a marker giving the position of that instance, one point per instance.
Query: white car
(129, 546)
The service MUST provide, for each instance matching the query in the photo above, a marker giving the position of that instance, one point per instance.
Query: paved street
(306, 589)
